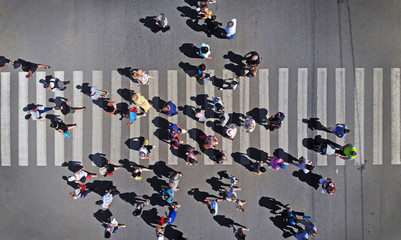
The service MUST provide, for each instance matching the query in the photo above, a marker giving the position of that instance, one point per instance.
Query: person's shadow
(315, 124)
(259, 115)
(310, 178)
(150, 217)
(135, 143)
(280, 222)
(73, 166)
(189, 69)
(256, 154)
(242, 159)
(225, 221)
(235, 58)
(188, 111)
(271, 204)
(162, 131)
(103, 216)
(84, 88)
(160, 169)
(150, 22)
(98, 159)
(314, 143)
(200, 196)
(171, 233)
(280, 153)
(188, 12)
(192, 3)
(237, 118)
(126, 94)
(216, 184)
(190, 50)
(158, 103)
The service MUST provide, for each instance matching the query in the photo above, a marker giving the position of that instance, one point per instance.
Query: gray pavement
(106, 35)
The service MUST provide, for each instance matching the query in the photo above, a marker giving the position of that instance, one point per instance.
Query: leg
(45, 110)
(43, 66)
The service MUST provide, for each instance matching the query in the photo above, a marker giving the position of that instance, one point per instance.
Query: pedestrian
(132, 115)
(79, 192)
(28, 66)
(203, 74)
(233, 180)
(191, 159)
(239, 234)
(107, 198)
(35, 114)
(112, 227)
(173, 213)
(168, 195)
(210, 141)
(65, 109)
(139, 208)
(231, 131)
(175, 142)
(340, 130)
(201, 115)
(107, 169)
(170, 109)
(136, 174)
(203, 11)
(249, 124)
(162, 22)
(63, 128)
(218, 105)
(328, 186)
(231, 28)
(54, 84)
(251, 72)
(212, 25)
(310, 229)
(274, 122)
(223, 118)
(80, 176)
(111, 108)
(4, 61)
(141, 76)
(219, 156)
(95, 93)
(231, 195)
(144, 151)
(160, 232)
(205, 51)
(240, 205)
(305, 164)
(289, 216)
(258, 167)
(213, 205)
(174, 179)
(233, 84)
(346, 152)
(252, 59)
(141, 102)
(276, 163)
(176, 130)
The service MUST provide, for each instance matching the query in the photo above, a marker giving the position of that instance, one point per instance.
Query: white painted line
(190, 123)
(359, 139)
(97, 117)
(321, 103)
(302, 100)
(41, 126)
(283, 107)
(134, 129)
(22, 123)
(377, 116)
(152, 114)
(244, 107)
(227, 98)
(209, 91)
(58, 137)
(395, 116)
(264, 103)
(5, 119)
(77, 133)
(115, 134)
(172, 96)
(340, 105)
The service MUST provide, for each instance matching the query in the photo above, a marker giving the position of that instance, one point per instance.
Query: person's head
(255, 57)
(202, 67)
(108, 108)
(162, 15)
(230, 24)
(107, 234)
(171, 184)
(175, 142)
(166, 108)
(135, 97)
(28, 116)
(204, 50)
(346, 130)
(203, 5)
(352, 153)
(252, 125)
(332, 190)
(142, 154)
(253, 69)
(309, 167)
(192, 160)
(234, 198)
(17, 64)
(288, 207)
(313, 233)
(212, 211)
(72, 194)
(241, 208)
(166, 196)
(262, 169)
(213, 17)
(138, 75)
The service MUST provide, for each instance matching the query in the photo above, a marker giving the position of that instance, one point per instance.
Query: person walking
(231, 195)
(212, 25)
(65, 109)
(213, 205)
(252, 59)
(4, 61)
(111, 108)
(112, 227)
(54, 84)
(218, 105)
(159, 232)
(80, 176)
(191, 159)
(107, 168)
(231, 28)
(224, 117)
(203, 74)
(328, 186)
(233, 180)
(205, 51)
(210, 141)
(144, 151)
(310, 229)
(95, 93)
(132, 115)
(239, 234)
(139, 208)
(170, 109)
(174, 179)
(258, 167)
(289, 216)
(231, 131)
(168, 195)
(276, 163)
(176, 130)
(346, 152)
(80, 192)
(249, 124)
(136, 174)
(219, 156)
(141, 76)
(340, 130)
(141, 102)
(173, 213)
(29, 67)
(63, 128)
(35, 114)
(107, 198)
(232, 84)
(305, 164)
(162, 22)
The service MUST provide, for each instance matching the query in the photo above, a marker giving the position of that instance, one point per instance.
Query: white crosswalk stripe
(209, 91)
(116, 127)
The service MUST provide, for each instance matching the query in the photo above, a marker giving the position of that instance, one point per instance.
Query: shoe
(153, 146)
(220, 88)
(66, 82)
(28, 76)
(147, 201)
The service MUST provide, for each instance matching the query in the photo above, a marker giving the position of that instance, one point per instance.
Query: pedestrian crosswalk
(53, 149)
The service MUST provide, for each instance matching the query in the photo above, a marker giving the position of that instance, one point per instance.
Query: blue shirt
(339, 131)
(132, 116)
(169, 191)
(175, 127)
(172, 215)
(173, 109)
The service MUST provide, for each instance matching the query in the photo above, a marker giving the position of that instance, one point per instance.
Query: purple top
(276, 162)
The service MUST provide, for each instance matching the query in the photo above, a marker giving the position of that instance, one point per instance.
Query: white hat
(114, 221)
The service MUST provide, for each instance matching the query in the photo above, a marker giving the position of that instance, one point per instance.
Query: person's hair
(138, 75)
(203, 5)
(108, 108)
(230, 24)
(165, 108)
(313, 233)
(175, 142)
(253, 69)
(213, 211)
(223, 158)
(309, 167)
(109, 189)
(332, 189)
(241, 208)
(234, 197)
(251, 125)
(346, 130)
(142, 154)
(263, 169)
(135, 97)
(167, 196)
(213, 17)
(28, 116)
(202, 67)
(107, 234)
(204, 49)
(45, 85)
(127, 115)
(73, 194)
(192, 160)
(353, 153)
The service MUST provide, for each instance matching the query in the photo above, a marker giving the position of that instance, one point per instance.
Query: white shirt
(231, 30)
(78, 176)
(143, 150)
(205, 55)
(107, 198)
(303, 165)
(34, 114)
(77, 193)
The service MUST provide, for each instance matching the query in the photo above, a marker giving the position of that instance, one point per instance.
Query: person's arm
(148, 157)
(342, 157)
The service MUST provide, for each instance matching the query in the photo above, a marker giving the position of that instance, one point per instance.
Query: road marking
(97, 117)
(209, 91)
(322, 108)
(244, 107)
(22, 123)
(134, 129)
(227, 144)
(395, 116)
(340, 105)
(77, 133)
(154, 91)
(41, 126)
(190, 123)
(115, 134)
(5, 119)
(172, 92)
(58, 137)
(302, 100)
(377, 116)
(359, 138)
(283, 107)
(264, 103)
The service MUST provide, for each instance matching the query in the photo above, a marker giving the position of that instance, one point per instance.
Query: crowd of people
(251, 62)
